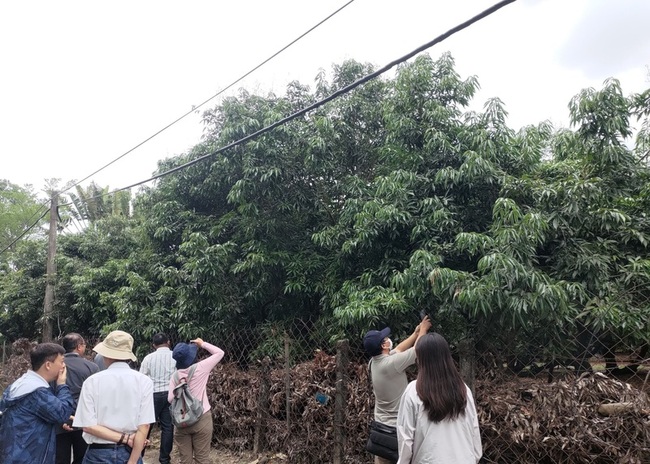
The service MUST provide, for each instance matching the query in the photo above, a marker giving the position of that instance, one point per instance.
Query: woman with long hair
(437, 421)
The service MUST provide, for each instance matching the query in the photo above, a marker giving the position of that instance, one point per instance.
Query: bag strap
(371, 412)
(190, 373)
(187, 378)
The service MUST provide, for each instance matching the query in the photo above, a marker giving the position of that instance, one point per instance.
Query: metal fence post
(342, 356)
(287, 380)
(262, 406)
(467, 363)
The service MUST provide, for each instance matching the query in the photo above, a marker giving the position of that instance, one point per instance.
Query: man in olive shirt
(388, 371)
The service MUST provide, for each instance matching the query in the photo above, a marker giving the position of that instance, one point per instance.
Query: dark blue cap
(184, 354)
(372, 341)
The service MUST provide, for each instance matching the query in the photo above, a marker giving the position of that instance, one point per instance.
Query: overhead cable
(327, 99)
(25, 232)
(194, 108)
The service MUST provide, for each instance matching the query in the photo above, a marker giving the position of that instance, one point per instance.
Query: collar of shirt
(119, 365)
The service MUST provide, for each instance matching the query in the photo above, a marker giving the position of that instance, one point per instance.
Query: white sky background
(82, 82)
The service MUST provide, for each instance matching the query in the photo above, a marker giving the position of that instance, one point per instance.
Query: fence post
(467, 362)
(342, 356)
(262, 406)
(287, 380)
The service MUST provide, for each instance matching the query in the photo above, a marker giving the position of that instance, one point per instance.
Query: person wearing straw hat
(115, 406)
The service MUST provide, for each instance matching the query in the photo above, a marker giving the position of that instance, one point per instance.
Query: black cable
(194, 108)
(25, 231)
(37, 211)
(327, 99)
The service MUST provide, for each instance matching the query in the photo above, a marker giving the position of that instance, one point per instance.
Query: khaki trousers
(193, 443)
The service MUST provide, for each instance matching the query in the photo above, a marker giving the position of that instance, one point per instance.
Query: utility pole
(50, 276)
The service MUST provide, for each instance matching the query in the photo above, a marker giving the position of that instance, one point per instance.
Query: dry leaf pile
(308, 434)
(17, 364)
(532, 421)
(522, 420)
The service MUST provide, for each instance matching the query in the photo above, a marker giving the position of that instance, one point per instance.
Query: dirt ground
(217, 455)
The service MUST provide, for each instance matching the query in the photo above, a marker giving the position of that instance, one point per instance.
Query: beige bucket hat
(117, 345)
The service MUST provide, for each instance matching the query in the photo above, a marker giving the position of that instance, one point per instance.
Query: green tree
(94, 202)
(567, 246)
(19, 209)
(22, 289)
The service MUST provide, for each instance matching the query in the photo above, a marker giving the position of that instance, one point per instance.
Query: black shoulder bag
(382, 441)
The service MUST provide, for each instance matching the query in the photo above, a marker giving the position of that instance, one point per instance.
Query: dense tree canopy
(19, 209)
(392, 199)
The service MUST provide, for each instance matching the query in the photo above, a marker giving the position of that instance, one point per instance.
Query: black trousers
(70, 444)
(164, 418)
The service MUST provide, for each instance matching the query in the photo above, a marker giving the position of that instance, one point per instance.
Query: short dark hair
(44, 352)
(160, 339)
(71, 341)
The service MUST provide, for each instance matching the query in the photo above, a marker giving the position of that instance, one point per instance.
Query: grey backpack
(186, 410)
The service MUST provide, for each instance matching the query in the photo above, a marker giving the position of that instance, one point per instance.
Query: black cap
(372, 341)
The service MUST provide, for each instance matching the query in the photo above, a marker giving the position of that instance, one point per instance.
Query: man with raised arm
(388, 371)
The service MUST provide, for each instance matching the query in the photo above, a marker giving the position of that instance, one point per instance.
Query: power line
(194, 108)
(37, 211)
(494, 8)
(25, 232)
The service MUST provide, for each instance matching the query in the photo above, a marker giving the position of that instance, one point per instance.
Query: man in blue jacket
(31, 409)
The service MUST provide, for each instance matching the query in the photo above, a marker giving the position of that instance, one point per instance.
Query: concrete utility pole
(50, 276)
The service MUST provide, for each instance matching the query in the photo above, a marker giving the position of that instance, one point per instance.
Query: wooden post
(342, 356)
(467, 362)
(262, 406)
(50, 276)
(287, 379)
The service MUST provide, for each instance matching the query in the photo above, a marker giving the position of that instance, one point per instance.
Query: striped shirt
(160, 366)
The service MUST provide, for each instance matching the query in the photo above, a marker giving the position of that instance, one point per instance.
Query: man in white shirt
(115, 407)
(160, 367)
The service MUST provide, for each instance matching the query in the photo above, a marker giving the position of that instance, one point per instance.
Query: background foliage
(390, 200)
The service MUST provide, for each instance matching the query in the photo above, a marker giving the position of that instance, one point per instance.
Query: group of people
(69, 409)
(435, 415)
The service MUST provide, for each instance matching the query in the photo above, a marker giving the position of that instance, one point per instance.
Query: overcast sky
(82, 82)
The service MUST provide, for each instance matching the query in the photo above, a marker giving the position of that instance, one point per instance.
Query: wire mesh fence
(288, 388)
(293, 391)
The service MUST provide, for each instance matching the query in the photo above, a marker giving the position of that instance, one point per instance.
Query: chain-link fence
(288, 388)
(293, 391)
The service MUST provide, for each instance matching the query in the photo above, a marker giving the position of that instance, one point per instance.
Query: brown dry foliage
(18, 363)
(530, 420)
(522, 420)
